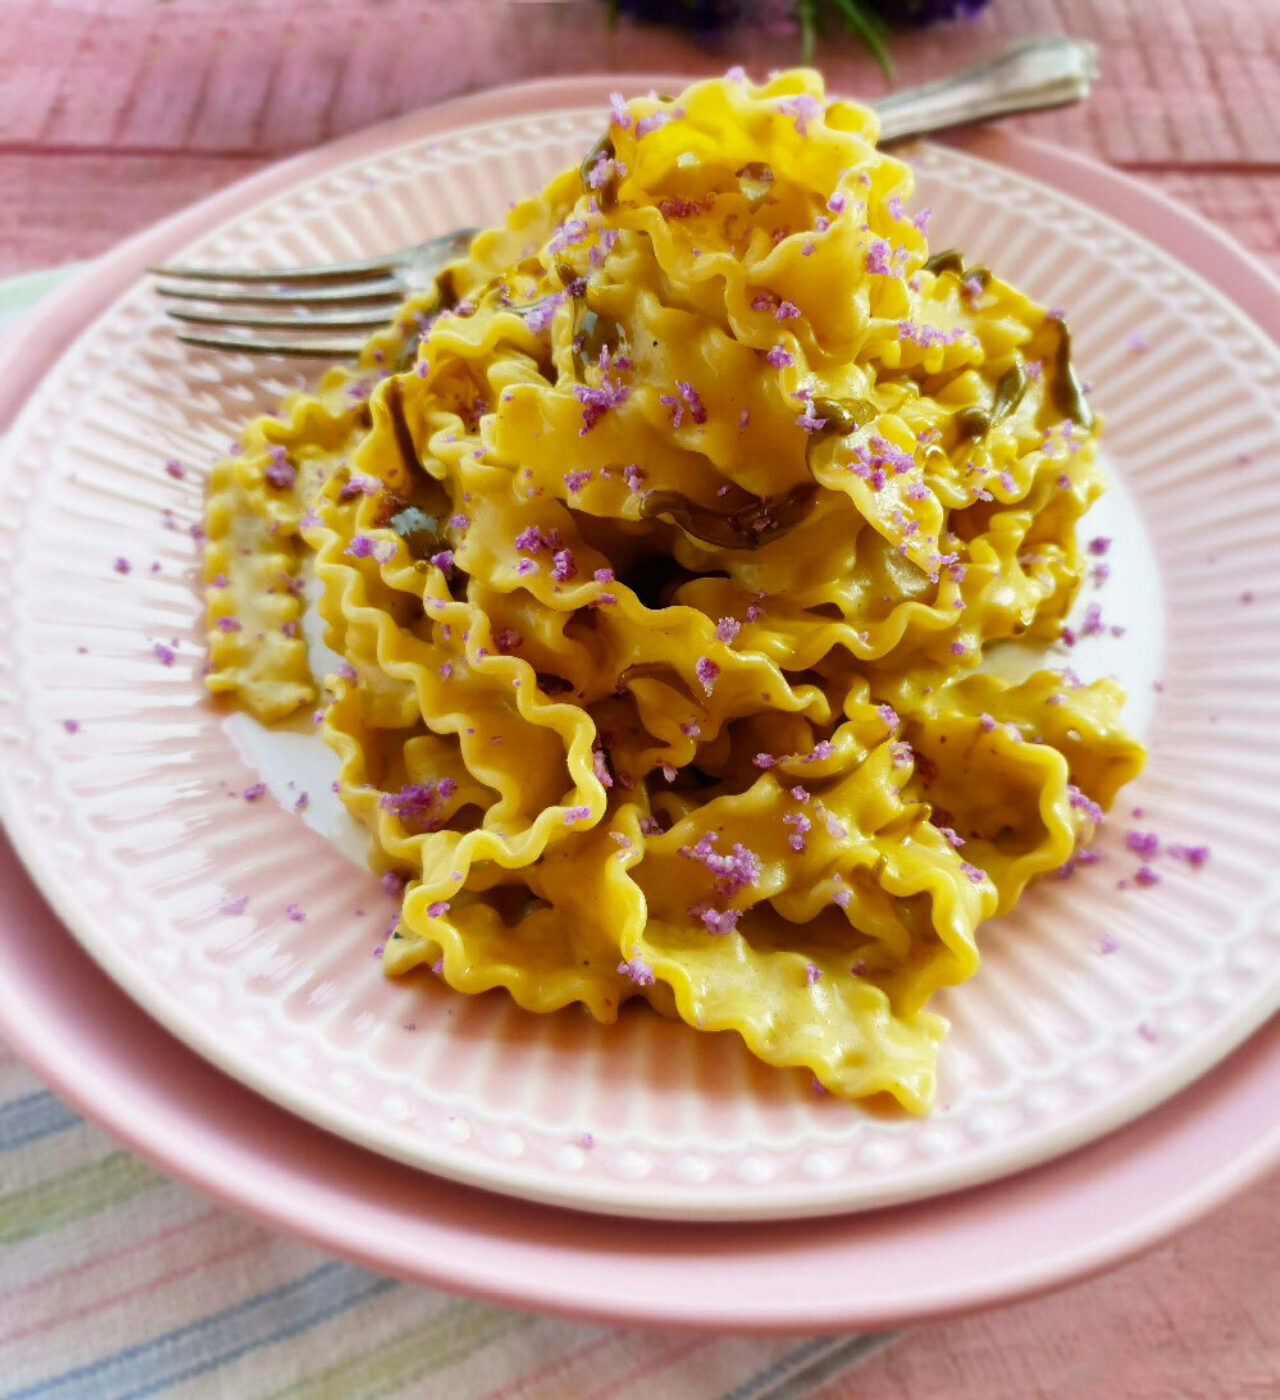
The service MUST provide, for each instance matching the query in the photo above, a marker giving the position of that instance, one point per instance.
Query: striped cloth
(116, 1283)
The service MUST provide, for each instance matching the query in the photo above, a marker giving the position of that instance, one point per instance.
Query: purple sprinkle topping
(576, 814)
(165, 655)
(706, 671)
(1143, 843)
(72, 726)
(596, 402)
(802, 109)
(234, 904)
(122, 566)
(1195, 856)
(975, 875)
(638, 971)
(812, 973)
(1145, 876)
(437, 909)
(295, 913)
(690, 395)
(576, 480)
(878, 255)
(618, 113)
(280, 473)
(735, 871)
(727, 629)
(1081, 803)
(779, 358)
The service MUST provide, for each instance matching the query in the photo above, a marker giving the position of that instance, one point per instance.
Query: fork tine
(385, 263)
(369, 317)
(388, 289)
(312, 350)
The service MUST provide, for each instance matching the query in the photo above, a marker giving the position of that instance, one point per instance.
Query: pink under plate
(980, 1247)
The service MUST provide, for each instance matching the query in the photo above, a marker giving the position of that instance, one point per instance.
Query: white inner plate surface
(1097, 998)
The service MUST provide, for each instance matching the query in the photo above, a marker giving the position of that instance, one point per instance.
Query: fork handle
(1047, 71)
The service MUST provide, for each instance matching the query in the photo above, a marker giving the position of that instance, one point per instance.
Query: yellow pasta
(664, 544)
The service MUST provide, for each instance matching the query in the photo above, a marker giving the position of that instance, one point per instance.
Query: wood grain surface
(116, 112)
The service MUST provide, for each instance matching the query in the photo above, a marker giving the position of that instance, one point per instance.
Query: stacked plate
(1097, 1088)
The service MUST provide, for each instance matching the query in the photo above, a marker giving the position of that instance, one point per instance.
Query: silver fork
(361, 296)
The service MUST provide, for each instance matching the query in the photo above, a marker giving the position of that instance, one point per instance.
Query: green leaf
(870, 28)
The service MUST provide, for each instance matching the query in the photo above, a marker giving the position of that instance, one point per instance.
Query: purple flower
(618, 113)
(736, 871)
(1084, 804)
(878, 255)
(802, 109)
(652, 122)
(690, 395)
(638, 971)
(1195, 856)
(1143, 843)
(802, 826)
(280, 473)
(538, 317)
(416, 804)
(596, 402)
(716, 921)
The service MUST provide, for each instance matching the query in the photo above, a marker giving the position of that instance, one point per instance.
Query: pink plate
(985, 1246)
(245, 930)
(1081, 1211)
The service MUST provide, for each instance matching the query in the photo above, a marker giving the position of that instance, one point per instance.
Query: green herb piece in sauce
(947, 260)
(755, 180)
(757, 523)
(419, 531)
(595, 332)
(1010, 387)
(606, 194)
(1067, 393)
(843, 416)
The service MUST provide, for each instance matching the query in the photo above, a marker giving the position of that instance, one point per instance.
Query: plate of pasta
(728, 709)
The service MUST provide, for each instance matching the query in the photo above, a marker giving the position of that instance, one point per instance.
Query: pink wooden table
(115, 112)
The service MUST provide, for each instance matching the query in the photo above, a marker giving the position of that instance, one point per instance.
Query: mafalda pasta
(664, 543)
